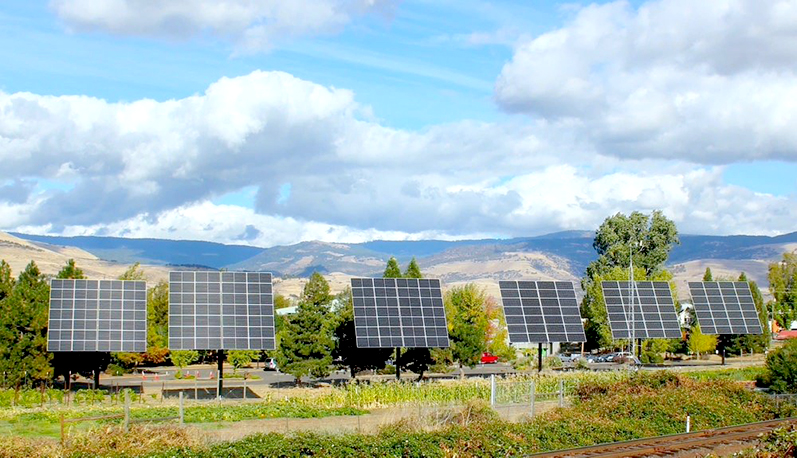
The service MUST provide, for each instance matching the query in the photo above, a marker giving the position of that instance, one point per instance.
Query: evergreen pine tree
(707, 275)
(70, 270)
(305, 342)
(23, 330)
(413, 271)
(392, 270)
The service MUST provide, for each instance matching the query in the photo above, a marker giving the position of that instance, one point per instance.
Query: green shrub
(116, 370)
(553, 362)
(782, 368)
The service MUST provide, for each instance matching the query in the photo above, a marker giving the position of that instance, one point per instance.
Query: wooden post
(561, 392)
(244, 386)
(182, 410)
(127, 410)
(492, 390)
(532, 397)
(141, 394)
(63, 430)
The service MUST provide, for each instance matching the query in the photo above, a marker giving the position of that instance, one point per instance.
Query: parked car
(270, 364)
(488, 358)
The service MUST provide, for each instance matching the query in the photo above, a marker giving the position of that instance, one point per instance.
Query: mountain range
(560, 256)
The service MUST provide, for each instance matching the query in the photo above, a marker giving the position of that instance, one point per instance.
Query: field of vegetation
(605, 408)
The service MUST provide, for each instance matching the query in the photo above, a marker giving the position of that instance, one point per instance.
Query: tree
(134, 272)
(242, 358)
(416, 360)
(701, 343)
(6, 280)
(23, 329)
(783, 287)
(182, 358)
(71, 270)
(392, 270)
(782, 368)
(468, 324)
(157, 323)
(305, 342)
(707, 276)
(356, 359)
(646, 238)
(649, 237)
(281, 302)
(413, 271)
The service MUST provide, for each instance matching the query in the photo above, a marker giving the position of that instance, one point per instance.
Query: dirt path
(370, 423)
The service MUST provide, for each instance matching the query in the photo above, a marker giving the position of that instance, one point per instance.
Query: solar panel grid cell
(653, 310)
(541, 312)
(221, 311)
(399, 312)
(725, 308)
(92, 315)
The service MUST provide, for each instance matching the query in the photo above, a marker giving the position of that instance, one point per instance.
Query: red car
(487, 358)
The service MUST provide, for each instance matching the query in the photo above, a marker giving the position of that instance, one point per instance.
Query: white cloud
(709, 82)
(149, 169)
(253, 25)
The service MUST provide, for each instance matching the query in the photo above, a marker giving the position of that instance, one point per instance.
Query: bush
(782, 368)
(553, 362)
(116, 370)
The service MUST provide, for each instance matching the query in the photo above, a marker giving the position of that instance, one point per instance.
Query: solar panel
(541, 311)
(653, 310)
(97, 315)
(725, 307)
(221, 311)
(399, 312)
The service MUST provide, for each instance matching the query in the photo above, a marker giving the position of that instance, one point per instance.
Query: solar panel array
(541, 312)
(97, 315)
(725, 307)
(653, 310)
(399, 312)
(221, 311)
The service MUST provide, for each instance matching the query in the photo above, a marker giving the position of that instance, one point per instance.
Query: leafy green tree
(23, 330)
(134, 272)
(700, 343)
(356, 359)
(281, 302)
(392, 270)
(416, 360)
(707, 276)
(782, 368)
(649, 237)
(157, 323)
(71, 270)
(182, 358)
(241, 358)
(306, 342)
(783, 287)
(468, 323)
(413, 271)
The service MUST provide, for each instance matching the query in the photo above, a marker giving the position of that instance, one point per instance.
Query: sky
(265, 122)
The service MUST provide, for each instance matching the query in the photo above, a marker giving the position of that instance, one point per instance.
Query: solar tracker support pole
(220, 385)
(639, 348)
(539, 357)
(398, 365)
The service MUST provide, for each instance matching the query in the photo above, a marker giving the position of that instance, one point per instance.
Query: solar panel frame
(654, 315)
(541, 311)
(97, 315)
(399, 312)
(725, 307)
(221, 311)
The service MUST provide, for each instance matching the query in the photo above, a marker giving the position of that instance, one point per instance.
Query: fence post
(63, 430)
(244, 387)
(127, 410)
(533, 396)
(196, 388)
(561, 392)
(492, 389)
(182, 411)
(688, 423)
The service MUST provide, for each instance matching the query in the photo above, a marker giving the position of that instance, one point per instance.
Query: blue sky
(349, 120)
